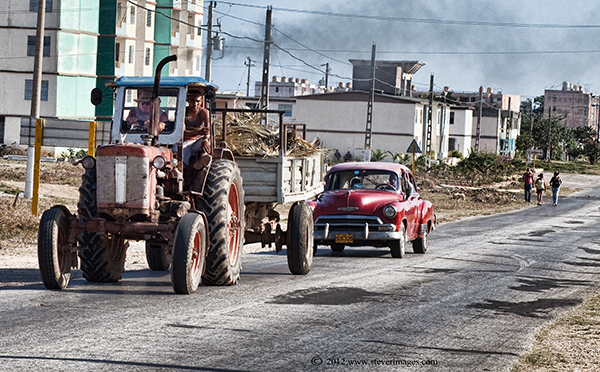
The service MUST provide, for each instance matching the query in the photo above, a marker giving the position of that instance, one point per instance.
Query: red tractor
(149, 184)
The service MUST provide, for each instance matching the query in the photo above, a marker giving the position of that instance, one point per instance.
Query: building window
(286, 108)
(33, 6)
(451, 118)
(147, 57)
(149, 18)
(128, 96)
(131, 54)
(31, 46)
(132, 15)
(117, 51)
(29, 90)
(451, 144)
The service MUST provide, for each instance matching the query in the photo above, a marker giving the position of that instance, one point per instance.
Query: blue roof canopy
(167, 81)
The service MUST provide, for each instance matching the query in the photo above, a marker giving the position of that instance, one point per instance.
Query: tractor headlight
(159, 162)
(88, 162)
(390, 211)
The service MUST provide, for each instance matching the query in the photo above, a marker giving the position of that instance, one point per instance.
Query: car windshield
(373, 179)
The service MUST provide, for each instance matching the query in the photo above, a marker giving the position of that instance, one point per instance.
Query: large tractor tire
(224, 208)
(54, 253)
(398, 247)
(189, 253)
(159, 256)
(300, 239)
(102, 255)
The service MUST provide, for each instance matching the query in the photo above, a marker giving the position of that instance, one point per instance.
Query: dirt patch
(570, 344)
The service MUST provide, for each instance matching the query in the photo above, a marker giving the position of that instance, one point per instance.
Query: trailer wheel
(300, 244)
(398, 247)
(159, 256)
(224, 208)
(189, 253)
(54, 253)
(102, 255)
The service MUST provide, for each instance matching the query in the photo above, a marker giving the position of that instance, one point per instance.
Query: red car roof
(393, 167)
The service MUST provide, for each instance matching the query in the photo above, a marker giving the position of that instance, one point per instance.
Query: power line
(426, 20)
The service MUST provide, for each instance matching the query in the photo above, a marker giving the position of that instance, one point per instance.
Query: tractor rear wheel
(189, 253)
(103, 258)
(159, 256)
(300, 239)
(103, 255)
(54, 253)
(223, 206)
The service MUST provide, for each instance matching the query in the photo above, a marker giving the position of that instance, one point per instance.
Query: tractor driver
(139, 117)
(197, 128)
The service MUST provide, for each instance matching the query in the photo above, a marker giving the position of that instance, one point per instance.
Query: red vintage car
(375, 204)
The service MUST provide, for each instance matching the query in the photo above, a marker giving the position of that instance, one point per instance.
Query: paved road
(472, 303)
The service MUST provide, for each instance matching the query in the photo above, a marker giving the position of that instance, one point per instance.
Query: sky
(515, 46)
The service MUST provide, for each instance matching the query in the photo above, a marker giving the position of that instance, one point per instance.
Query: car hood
(363, 202)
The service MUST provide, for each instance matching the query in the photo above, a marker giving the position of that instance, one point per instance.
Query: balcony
(175, 38)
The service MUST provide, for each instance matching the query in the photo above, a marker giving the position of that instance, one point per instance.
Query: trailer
(279, 179)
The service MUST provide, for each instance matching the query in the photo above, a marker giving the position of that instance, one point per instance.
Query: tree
(378, 155)
(592, 151)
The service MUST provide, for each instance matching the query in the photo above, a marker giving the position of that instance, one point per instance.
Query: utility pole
(36, 91)
(369, 128)
(429, 121)
(326, 76)
(209, 42)
(479, 115)
(508, 127)
(549, 133)
(249, 64)
(264, 89)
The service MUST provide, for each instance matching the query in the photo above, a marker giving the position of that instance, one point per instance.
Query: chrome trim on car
(359, 226)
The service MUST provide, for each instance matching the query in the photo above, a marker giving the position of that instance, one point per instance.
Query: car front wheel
(398, 247)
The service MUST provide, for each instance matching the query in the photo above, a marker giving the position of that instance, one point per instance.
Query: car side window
(407, 186)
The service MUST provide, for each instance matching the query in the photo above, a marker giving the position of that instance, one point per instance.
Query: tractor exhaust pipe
(155, 100)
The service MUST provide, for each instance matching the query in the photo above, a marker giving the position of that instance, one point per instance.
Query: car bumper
(361, 228)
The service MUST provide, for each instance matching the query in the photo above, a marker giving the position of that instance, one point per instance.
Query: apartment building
(86, 44)
(575, 106)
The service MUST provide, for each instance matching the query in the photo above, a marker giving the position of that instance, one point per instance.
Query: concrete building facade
(339, 121)
(576, 106)
(86, 44)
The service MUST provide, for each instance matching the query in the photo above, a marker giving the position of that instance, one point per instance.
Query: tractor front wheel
(54, 253)
(223, 206)
(189, 253)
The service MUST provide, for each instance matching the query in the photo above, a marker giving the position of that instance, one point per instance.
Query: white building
(339, 121)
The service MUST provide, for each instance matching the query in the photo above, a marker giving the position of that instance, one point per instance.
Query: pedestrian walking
(528, 184)
(555, 183)
(540, 187)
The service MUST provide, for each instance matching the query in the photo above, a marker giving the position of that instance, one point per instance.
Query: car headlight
(159, 162)
(390, 211)
(88, 162)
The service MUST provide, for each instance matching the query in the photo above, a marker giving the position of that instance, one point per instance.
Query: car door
(412, 205)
